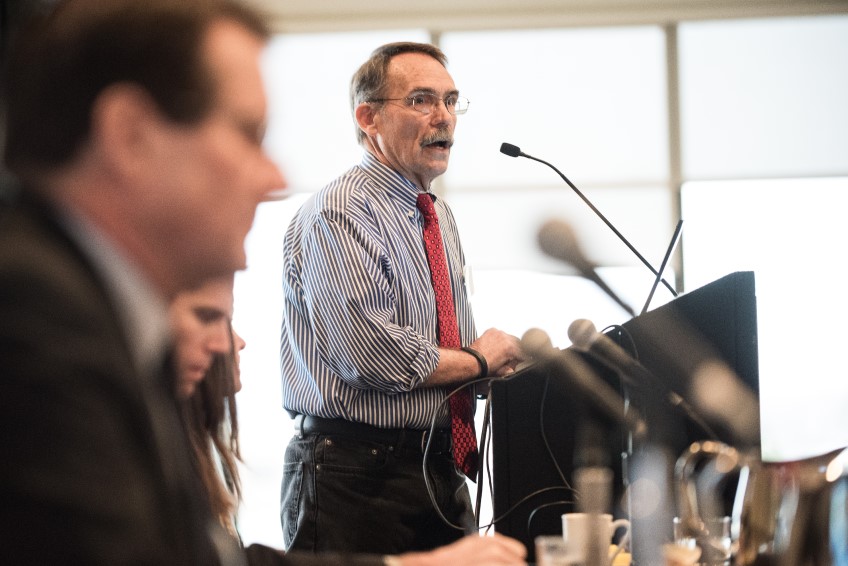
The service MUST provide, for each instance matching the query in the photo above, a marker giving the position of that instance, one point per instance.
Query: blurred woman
(212, 421)
(207, 352)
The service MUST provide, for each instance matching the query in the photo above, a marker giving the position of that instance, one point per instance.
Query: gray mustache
(438, 136)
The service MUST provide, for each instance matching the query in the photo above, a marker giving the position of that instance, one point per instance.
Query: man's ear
(125, 126)
(366, 116)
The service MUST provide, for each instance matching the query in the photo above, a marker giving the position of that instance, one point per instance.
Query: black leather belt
(408, 439)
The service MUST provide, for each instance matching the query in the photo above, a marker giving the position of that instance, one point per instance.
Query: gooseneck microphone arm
(515, 151)
(557, 239)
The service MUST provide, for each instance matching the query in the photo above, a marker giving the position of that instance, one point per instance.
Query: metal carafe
(792, 513)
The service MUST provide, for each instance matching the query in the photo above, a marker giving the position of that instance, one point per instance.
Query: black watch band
(484, 365)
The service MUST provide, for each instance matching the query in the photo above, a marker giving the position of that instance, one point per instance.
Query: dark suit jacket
(94, 467)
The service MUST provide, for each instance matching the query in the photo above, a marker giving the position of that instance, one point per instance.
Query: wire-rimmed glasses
(426, 102)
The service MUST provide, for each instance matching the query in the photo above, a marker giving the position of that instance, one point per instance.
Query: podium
(539, 423)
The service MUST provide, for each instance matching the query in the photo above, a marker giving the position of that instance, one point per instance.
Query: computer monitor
(539, 423)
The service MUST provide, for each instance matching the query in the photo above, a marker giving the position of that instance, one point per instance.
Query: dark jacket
(94, 466)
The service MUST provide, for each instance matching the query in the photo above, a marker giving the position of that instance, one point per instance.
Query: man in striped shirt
(363, 372)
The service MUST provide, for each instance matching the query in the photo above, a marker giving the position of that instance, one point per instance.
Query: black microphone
(515, 151)
(557, 239)
(511, 150)
(585, 338)
(536, 344)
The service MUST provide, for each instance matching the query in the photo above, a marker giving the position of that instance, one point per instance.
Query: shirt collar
(142, 310)
(397, 187)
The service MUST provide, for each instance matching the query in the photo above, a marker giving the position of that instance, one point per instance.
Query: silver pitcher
(792, 513)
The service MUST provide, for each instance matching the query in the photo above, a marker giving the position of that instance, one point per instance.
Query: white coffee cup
(576, 528)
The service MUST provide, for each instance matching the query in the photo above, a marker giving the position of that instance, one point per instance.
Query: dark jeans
(346, 494)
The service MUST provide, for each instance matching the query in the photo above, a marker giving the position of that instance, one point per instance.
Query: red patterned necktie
(462, 417)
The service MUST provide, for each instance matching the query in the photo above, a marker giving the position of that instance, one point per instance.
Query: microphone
(511, 150)
(515, 151)
(557, 239)
(536, 344)
(585, 338)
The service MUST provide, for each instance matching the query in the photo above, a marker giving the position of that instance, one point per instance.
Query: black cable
(633, 351)
(482, 458)
(427, 481)
(482, 448)
(566, 485)
(539, 508)
(527, 498)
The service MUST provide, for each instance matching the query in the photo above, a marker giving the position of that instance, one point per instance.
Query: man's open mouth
(442, 144)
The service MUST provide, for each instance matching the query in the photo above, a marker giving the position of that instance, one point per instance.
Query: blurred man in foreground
(135, 130)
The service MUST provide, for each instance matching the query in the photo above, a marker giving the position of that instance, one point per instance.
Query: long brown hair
(212, 424)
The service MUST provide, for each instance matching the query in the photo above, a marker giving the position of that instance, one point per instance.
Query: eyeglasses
(426, 102)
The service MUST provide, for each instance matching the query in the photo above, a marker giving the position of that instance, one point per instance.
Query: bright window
(764, 98)
(791, 233)
(590, 101)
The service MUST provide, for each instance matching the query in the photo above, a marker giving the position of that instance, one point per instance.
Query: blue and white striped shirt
(359, 333)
